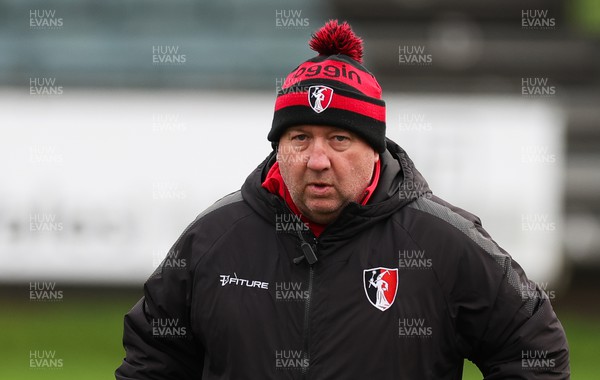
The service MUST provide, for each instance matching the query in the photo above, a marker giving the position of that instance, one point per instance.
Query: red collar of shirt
(274, 184)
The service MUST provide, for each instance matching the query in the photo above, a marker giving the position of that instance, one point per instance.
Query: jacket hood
(400, 183)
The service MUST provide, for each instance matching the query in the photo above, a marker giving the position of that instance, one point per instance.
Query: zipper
(308, 254)
(306, 331)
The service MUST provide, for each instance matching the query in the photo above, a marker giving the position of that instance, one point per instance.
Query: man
(302, 274)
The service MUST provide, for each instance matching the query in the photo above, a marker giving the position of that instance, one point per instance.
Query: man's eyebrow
(296, 129)
(342, 130)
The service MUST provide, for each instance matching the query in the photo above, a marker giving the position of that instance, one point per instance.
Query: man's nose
(318, 158)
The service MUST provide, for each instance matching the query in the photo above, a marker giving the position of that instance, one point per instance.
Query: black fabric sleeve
(157, 337)
(505, 321)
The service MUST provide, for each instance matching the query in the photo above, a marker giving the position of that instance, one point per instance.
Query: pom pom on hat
(334, 38)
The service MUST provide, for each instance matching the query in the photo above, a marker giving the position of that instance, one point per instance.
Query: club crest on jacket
(381, 285)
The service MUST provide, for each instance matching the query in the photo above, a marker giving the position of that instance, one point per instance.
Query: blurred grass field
(84, 329)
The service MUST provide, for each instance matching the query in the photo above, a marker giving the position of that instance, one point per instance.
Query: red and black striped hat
(333, 89)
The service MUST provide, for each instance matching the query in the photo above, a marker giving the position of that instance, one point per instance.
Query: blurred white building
(100, 184)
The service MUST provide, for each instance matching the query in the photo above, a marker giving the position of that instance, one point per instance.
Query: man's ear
(376, 156)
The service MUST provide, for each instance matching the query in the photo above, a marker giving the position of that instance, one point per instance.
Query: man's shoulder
(215, 220)
(433, 219)
(443, 228)
(223, 212)
(435, 207)
(228, 204)
(208, 227)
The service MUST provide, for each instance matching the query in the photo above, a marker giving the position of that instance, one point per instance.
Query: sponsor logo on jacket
(226, 279)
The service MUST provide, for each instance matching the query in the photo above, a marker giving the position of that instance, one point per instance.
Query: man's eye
(341, 138)
(299, 137)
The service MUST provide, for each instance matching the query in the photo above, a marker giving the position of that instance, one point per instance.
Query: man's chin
(323, 212)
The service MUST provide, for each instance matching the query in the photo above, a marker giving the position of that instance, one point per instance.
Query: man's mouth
(319, 187)
(319, 184)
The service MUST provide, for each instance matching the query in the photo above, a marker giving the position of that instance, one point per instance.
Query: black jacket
(402, 288)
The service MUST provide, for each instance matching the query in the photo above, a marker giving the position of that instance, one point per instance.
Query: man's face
(324, 168)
